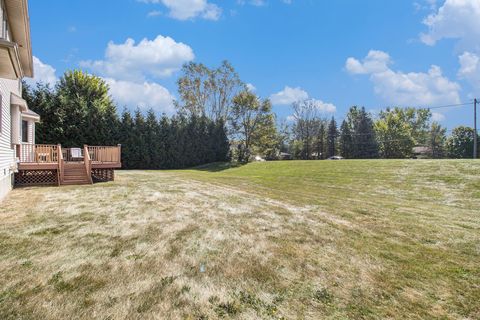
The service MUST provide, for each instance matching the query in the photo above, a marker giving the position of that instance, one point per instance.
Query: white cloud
(456, 19)
(251, 87)
(324, 107)
(160, 57)
(376, 61)
(190, 9)
(288, 96)
(143, 95)
(470, 68)
(43, 73)
(438, 117)
(399, 88)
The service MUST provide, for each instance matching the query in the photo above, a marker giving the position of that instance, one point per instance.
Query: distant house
(17, 122)
(421, 152)
(285, 156)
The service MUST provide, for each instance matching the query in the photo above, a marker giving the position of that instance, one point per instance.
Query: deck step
(75, 174)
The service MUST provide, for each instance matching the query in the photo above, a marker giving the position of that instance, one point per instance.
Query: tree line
(219, 118)
(396, 133)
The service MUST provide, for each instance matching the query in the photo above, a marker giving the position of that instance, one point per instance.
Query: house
(421, 152)
(17, 122)
(22, 161)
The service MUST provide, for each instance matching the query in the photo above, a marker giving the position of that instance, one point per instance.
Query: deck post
(88, 163)
(59, 164)
(119, 146)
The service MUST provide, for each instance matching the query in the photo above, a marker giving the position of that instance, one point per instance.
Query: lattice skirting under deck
(103, 175)
(36, 178)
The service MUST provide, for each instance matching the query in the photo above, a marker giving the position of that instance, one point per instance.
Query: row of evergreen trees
(171, 143)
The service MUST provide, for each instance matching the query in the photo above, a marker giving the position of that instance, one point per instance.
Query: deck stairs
(75, 174)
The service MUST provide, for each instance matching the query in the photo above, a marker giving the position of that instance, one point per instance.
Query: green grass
(275, 240)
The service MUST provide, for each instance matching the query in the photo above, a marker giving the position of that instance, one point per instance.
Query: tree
(152, 143)
(365, 145)
(400, 129)
(332, 138)
(320, 139)
(43, 100)
(284, 137)
(266, 138)
(251, 120)
(77, 111)
(394, 135)
(346, 140)
(306, 127)
(460, 143)
(207, 92)
(437, 140)
(127, 139)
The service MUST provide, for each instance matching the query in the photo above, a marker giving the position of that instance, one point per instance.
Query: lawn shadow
(218, 166)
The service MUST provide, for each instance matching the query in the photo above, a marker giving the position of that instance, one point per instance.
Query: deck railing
(73, 154)
(105, 154)
(37, 153)
(48, 154)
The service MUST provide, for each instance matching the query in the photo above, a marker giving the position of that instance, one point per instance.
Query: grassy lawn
(283, 240)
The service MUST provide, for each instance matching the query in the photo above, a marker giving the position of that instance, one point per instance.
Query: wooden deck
(54, 165)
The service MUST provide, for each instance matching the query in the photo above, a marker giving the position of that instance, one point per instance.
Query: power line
(424, 107)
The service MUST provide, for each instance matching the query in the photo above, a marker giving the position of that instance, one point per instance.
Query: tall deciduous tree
(306, 126)
(400, 129)
(208, 92)
(460, 143)
(252, 121)
(437, 139)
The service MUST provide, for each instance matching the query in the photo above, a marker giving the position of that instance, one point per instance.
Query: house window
(24, 131)
(3, 20)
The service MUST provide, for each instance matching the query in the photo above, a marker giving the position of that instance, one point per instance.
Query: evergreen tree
(43, 100)
(332, 138)
(320, 139)
(140, 148)
(364, 139)
(153, 150)
(127, 139)
(346, 140)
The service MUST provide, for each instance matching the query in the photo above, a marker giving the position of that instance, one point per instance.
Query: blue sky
(372, 53)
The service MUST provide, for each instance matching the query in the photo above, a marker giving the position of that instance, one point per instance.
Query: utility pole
(475, 133)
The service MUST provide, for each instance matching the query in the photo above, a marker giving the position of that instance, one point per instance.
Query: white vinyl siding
(7, 154)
